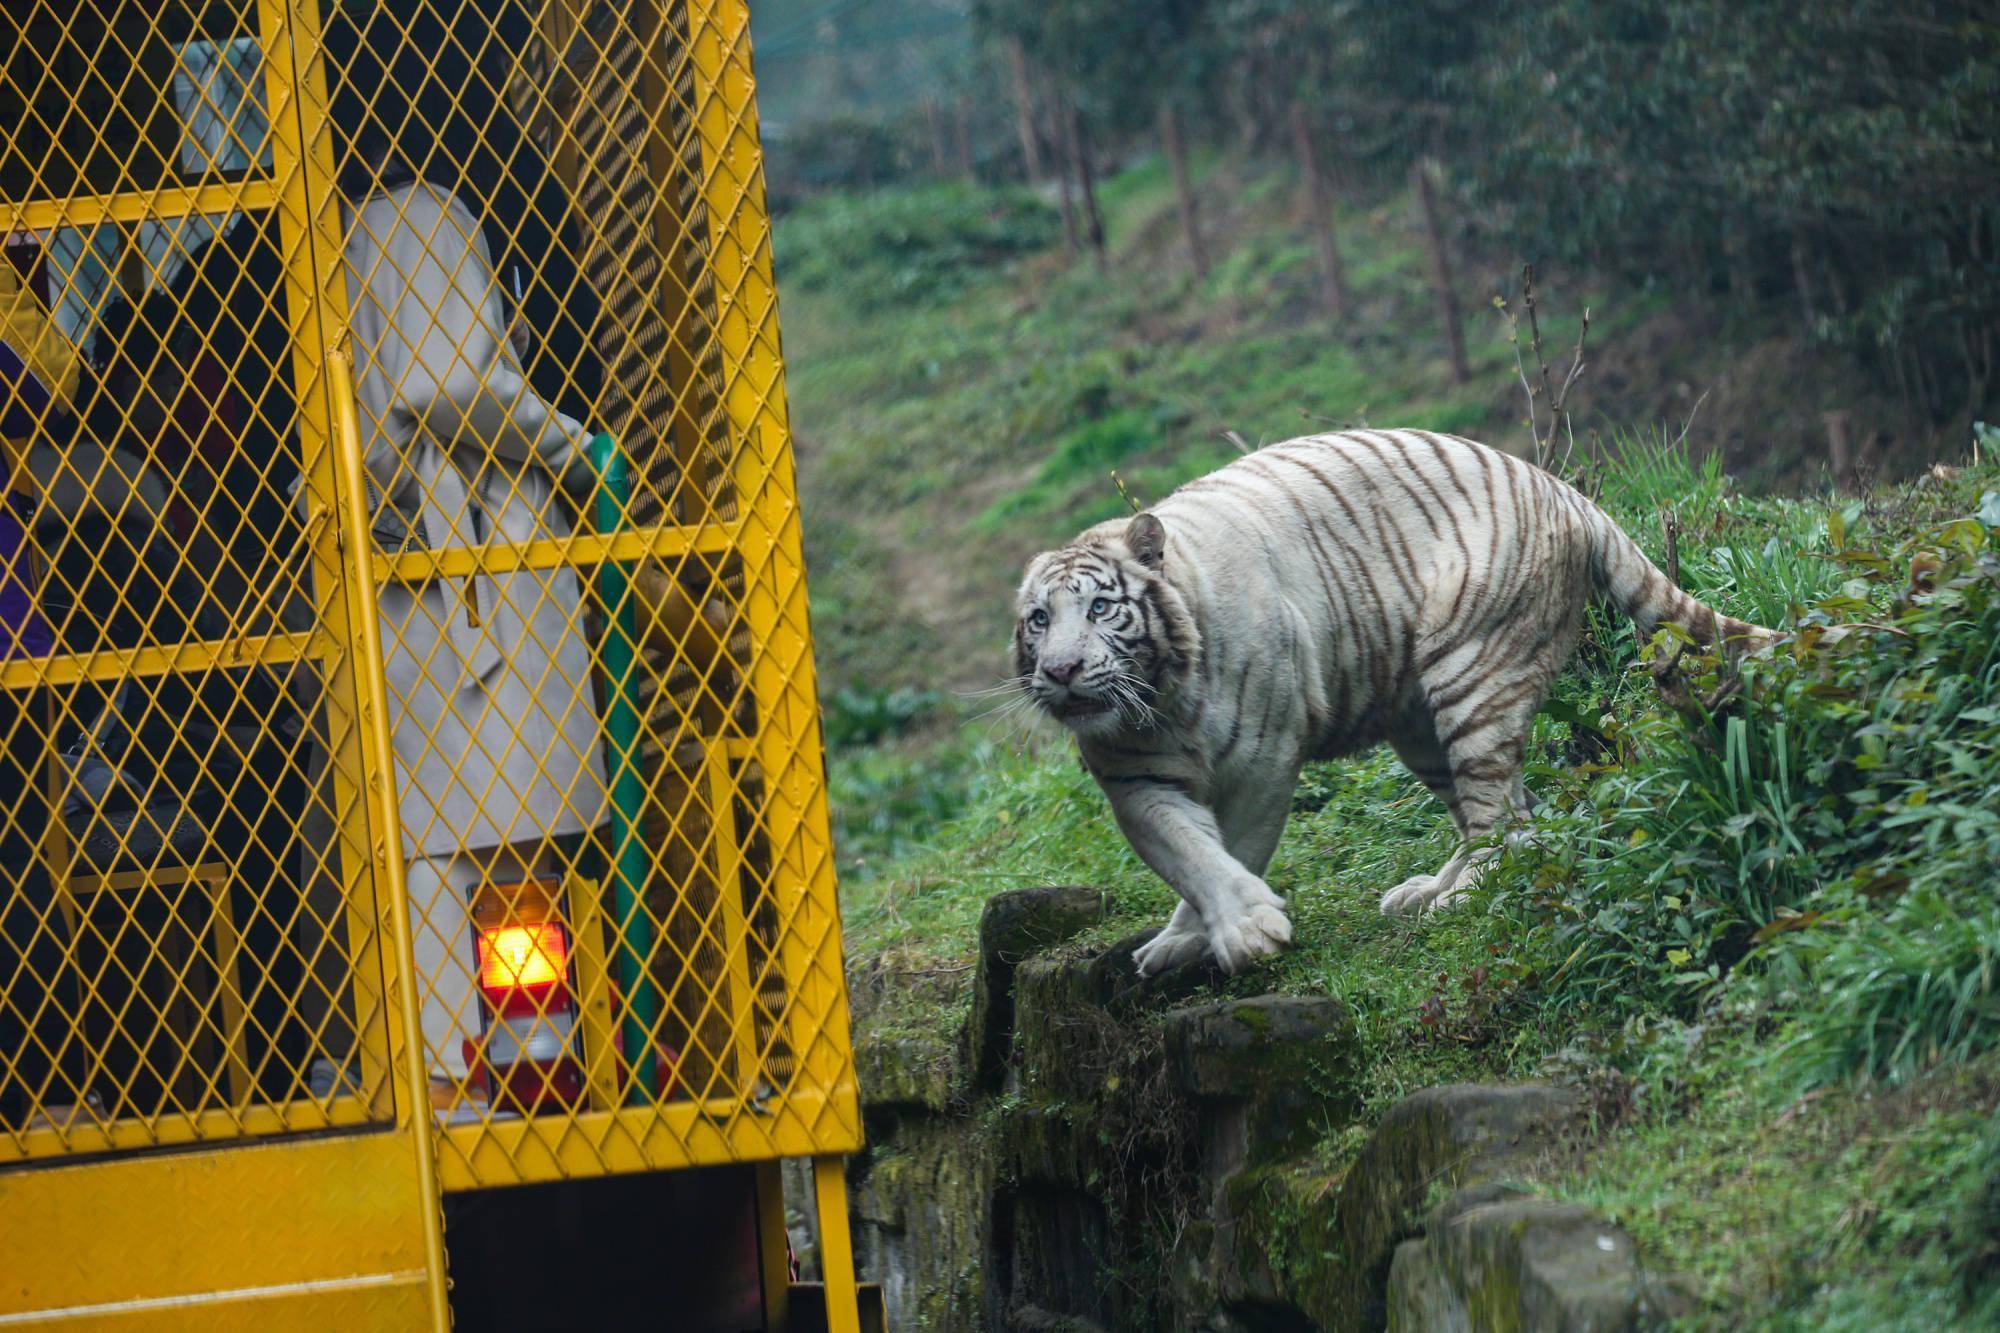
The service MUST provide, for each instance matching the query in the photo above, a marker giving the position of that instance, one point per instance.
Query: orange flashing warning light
(515, 957)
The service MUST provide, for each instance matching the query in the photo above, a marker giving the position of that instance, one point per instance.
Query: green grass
(1765, 936)
(1856, 1211)
(962, 395)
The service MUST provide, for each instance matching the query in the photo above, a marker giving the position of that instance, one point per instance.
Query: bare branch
(1535, 338)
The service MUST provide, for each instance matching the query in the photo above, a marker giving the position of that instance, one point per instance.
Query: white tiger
(1308, 601)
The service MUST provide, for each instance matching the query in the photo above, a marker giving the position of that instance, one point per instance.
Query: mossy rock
(1330, 1236)
(918, 1206)
(1015, 926)
(905, 1052)
(1076, 1017)
(1290, 1061)
(1521, 1265)
(1052, 1143)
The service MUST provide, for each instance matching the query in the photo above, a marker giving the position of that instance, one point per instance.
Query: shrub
(1836, 822)
(862, 716)
(1902, 990)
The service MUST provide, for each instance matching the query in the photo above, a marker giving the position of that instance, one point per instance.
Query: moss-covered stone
(1421, 1299)
(1517, 1264)
(1144, 1162)
(1329, 1236)
(906, 1052)
(1014, 926)
(918, 1205)
(1272, 1071)
(1052, 1143)
(1065, 1039)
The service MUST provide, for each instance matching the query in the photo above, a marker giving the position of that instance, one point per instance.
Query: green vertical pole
(630, 865)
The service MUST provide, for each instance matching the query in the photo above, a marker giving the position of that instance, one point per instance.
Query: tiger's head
(1102, 639)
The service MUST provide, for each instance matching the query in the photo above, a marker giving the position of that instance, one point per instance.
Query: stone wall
(1089, 1151)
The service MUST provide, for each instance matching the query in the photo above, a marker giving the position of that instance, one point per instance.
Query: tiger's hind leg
(1417, 745)
(1484, 737)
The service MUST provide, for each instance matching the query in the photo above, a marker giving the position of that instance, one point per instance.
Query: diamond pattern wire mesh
(529, 224)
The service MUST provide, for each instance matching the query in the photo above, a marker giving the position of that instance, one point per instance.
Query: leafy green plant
(858, 715)
(1835, 819)
(1902, 990)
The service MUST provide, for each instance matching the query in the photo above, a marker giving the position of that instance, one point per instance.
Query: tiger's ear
(1146, 539)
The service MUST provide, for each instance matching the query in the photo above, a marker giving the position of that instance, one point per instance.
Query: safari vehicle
(416, 900)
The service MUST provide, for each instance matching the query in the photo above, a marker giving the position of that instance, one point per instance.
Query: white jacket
(495, 728)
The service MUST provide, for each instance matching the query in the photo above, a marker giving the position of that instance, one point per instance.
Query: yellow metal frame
(785, 1082)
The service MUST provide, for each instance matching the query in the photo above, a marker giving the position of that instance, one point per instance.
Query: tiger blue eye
(1098, 607)
(1037, 618)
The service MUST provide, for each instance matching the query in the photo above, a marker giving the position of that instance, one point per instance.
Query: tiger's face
(1098, 633)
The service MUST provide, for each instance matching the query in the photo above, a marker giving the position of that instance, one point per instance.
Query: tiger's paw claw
(1168, 949)
(1258, 933)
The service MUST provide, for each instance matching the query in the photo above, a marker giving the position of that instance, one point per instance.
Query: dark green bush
(857, 715)
(1836, 822)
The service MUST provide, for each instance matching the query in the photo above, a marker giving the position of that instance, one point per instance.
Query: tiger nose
(1062, 673)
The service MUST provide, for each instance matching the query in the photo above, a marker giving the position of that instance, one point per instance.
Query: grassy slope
(944, 440)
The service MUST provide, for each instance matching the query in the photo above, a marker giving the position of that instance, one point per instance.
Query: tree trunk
(1738, 246)
(1076, 142)
(1441, 272)
(962, 138)
(940, 151)
(1024, 111)
(1802, 279)
(1319, 215)
(1065, 164)
(1170, 139)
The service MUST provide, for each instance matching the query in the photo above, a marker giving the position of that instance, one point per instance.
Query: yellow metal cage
(402, 567)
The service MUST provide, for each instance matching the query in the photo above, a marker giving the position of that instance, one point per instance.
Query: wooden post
(1024, 110)
(1441, 272)
(1076, 136)
(1840, 451)
(1170, 140)
(1319, 214)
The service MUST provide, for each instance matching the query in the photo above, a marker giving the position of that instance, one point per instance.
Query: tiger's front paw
(1170, 948)
(1259, 930)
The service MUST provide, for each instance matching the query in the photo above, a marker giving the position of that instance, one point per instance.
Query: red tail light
(524, 1053)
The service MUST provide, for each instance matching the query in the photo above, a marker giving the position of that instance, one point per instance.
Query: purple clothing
(23, 631)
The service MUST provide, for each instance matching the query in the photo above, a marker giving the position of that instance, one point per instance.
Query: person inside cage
(496, 737)
(95, 554)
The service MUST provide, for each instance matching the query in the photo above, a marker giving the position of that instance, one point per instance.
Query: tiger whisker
(1013, 723)
(1007, 686)
(1018, 702)
(1132, 707)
